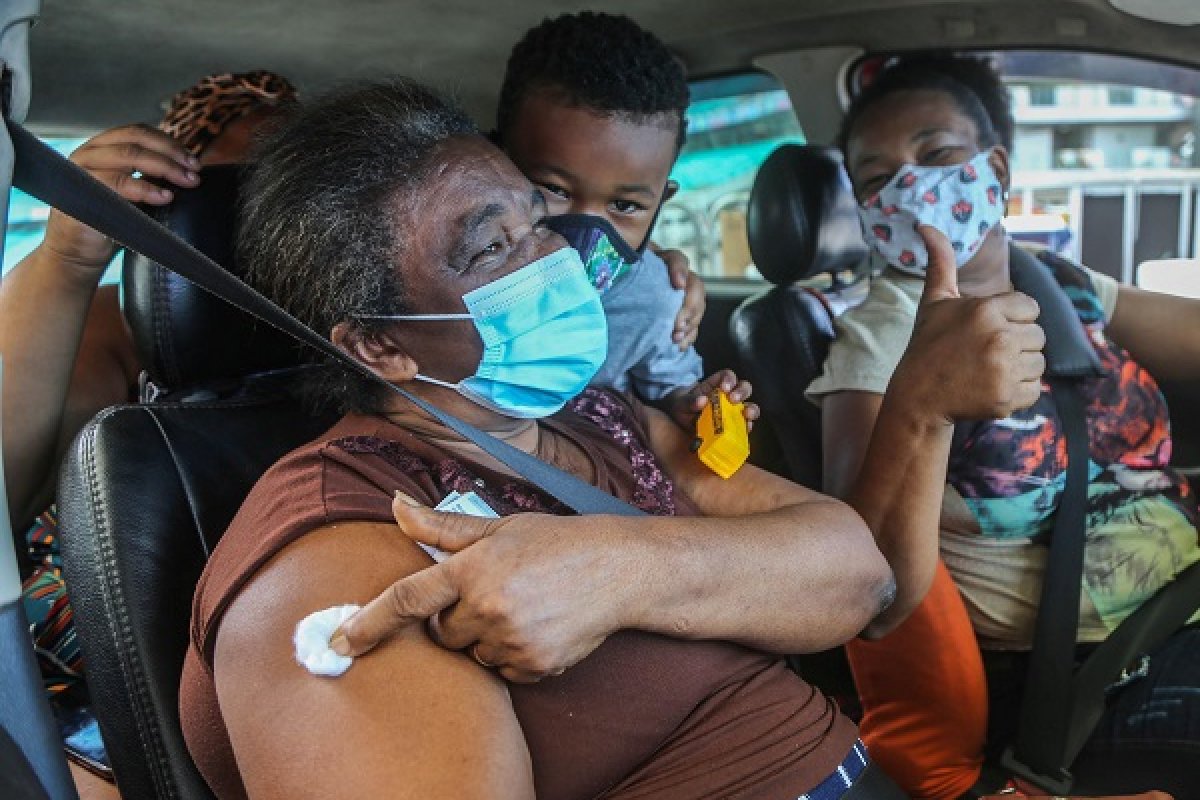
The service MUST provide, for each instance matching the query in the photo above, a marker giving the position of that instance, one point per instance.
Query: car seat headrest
(185, 336)
(803, 220)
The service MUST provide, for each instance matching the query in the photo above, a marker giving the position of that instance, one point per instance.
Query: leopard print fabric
(199, 114)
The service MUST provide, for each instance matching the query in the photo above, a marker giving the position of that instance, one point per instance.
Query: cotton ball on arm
(312, 641)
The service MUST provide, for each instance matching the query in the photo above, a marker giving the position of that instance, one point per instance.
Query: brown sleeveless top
(642, 716)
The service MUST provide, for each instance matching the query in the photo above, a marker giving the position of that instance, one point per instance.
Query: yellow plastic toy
(722, 441)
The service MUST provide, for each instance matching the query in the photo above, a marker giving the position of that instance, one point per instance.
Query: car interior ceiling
(125, 59)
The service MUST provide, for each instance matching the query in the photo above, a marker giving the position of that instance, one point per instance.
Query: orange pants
(924, 697)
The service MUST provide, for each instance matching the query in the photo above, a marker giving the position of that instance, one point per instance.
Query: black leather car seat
(148, 490)
(802, 222)
(186, 337)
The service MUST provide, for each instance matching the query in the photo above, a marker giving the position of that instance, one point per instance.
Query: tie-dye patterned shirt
(1141, 513)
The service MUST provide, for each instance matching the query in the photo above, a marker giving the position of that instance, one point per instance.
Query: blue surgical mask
(544, 337)
(606, 256)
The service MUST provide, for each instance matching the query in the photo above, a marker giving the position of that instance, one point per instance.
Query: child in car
(592, 111)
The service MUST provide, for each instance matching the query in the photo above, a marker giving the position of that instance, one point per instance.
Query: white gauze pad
(312, 641)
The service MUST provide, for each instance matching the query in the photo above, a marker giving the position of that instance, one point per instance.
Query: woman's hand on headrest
(122, 159)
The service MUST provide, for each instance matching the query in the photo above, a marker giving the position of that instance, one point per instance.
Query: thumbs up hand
(969, 357)
(941, 276)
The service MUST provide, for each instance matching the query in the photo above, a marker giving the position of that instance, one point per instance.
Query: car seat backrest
(185, 336)
(802, 222)
(148, 490)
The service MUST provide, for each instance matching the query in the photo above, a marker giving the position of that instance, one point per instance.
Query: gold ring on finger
(479, 659)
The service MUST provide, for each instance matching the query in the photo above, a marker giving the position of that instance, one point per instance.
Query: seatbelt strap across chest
(1039, 751)
(47, 176)
(1062, 704)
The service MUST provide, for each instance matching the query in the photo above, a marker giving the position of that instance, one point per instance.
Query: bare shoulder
(397, 723)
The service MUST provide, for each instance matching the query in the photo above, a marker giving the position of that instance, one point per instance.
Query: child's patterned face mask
(605, 254)
(963, 201)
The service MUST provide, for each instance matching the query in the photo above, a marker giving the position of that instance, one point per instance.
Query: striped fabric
(51, 620)
(42, 539)
(842, 778)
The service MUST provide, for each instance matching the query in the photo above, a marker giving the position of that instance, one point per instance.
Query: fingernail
(192, 177)
(193, 162)
(402, 497)
(164, 194)
(340, 644)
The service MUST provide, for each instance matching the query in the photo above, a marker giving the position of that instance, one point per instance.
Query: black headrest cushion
(803, 220)
(185, 336)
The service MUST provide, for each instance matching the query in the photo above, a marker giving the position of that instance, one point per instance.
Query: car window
(734, 123)
(27, 219)
(1105, 167)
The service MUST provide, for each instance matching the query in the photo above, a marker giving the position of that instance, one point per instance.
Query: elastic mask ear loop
(435, 381)
(415, 317)
(420, 318)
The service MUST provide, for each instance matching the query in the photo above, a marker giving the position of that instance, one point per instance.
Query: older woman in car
(564, 656)
(927, 142)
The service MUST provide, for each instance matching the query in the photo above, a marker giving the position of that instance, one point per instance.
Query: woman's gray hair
(316, 232)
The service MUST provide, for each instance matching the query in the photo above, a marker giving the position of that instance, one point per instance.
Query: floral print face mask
(963, 201)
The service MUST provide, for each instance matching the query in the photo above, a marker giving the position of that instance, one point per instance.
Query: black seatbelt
(54, 180)
(1142, 631)
(1061, 705)
(1046, 705)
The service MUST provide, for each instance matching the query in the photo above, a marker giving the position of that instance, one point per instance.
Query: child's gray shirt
(641, 309)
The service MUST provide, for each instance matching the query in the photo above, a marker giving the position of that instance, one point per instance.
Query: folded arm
(772, 565)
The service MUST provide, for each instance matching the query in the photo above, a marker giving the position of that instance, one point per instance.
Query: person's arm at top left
(67, 353)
